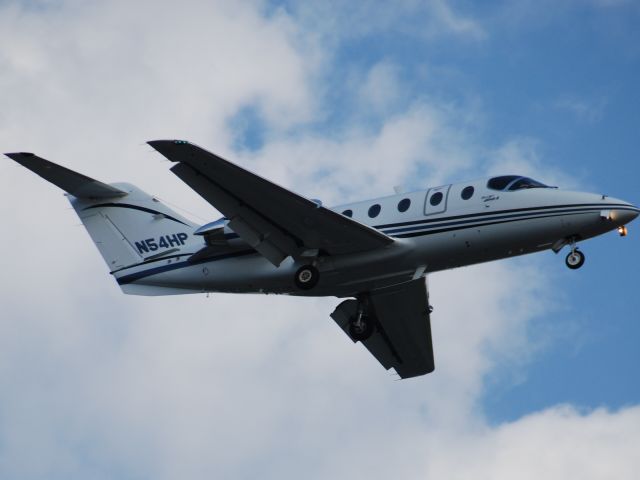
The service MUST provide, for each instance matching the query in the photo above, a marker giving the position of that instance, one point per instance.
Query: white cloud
(589, 111)
(97, 384)
(422, 19)
(381, 88)
(456, 23)
(557, 443)
(420, 146)
(521, 156)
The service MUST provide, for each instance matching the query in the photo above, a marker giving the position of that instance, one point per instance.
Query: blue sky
(535, 364)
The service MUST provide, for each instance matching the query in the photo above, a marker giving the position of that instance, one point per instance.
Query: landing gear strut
(575, 258)
(362, 325)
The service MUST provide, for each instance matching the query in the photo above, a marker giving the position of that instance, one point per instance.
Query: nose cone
(626, 216)
(623, 212)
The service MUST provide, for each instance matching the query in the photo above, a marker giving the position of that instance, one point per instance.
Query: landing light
(622, 230)
(606, 215)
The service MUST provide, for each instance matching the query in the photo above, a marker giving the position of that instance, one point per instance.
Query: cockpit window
(513, 182)
(500, 183)
(525, 182)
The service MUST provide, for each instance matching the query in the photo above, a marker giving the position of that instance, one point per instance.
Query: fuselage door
(436, 200)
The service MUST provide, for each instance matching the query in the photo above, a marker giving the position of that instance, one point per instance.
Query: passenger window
(467, 192)
(374, 210)
(404, 204)
(436, 198)
(348, 213)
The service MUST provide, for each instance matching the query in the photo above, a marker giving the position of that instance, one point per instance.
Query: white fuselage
(430, 236)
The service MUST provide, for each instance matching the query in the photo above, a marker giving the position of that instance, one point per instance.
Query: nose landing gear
(575, 258)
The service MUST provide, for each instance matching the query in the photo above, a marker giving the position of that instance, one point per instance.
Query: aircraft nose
(627, 216)
(624, 213)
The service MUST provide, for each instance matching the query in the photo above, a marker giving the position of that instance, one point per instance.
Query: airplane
(374, 254)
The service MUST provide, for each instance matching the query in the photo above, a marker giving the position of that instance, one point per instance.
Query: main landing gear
(306, 277)
(575, 258)
(361, 326)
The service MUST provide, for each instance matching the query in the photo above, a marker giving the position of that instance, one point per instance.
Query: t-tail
(129, 226)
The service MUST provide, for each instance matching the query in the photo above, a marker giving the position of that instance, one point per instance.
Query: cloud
(97, 384)
(412, 147)
(522, 156)
(381, 89)
(589, 111)
(421, 19)
(456, 23)
(555, 443)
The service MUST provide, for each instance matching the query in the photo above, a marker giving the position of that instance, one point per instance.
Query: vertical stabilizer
(127, 225)
(133, 229)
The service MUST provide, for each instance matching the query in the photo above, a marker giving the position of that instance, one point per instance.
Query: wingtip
(15, 155)
(159, 143)
(168, 148)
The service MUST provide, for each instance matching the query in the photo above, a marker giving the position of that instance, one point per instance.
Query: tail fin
(127, 225)
(132, 229)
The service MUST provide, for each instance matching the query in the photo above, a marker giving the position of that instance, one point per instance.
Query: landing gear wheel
(362, 330)
(575, 259)
(307, 277)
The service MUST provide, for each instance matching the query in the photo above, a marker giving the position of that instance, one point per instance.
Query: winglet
(167, 147)
(72, 182)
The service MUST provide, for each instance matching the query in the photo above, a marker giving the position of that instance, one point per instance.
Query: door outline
(442, 206)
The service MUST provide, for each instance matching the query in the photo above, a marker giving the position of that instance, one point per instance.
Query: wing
(275, 221)
(402, 338)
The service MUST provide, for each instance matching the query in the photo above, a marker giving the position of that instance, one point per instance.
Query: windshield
(525, 182)
(513, 182)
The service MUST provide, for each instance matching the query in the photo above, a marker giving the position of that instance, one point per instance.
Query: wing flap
(75, 183)
(403, 316)
(285, 222)
(258, 232)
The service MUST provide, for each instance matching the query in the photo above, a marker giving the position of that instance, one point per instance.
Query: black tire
(574, 259)
(364, 332)
(306, 277)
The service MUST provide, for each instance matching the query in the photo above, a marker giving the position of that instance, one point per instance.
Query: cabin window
(467, 192)
(374, 210)
(404, 204)
(436, 198)
(348, 213)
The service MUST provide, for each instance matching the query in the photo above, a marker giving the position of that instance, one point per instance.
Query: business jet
(374, 254)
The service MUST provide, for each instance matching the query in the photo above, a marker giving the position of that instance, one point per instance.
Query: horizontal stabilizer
(76, 184)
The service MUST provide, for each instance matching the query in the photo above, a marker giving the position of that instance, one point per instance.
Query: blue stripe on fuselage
(417, 228)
